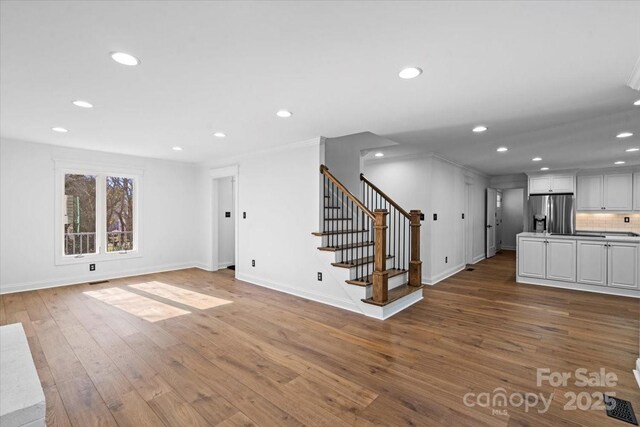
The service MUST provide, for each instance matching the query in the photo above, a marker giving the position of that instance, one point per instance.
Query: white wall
(436, 186)
(27, 217)
(280, 192)
(343, 157)
(512, 216)
(226, 226)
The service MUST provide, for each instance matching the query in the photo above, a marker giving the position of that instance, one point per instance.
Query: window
(97, 212)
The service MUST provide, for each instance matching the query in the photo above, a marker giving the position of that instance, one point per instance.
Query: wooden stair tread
(342, 247)
(356, 262)
(395, 294)
(329, 233)
(366, 281)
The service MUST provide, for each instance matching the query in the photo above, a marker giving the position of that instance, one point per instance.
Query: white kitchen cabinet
(589, 193)
(623, 265)
(551, 184)
(592, 262)
(618, 193)
(636, 191)
(613, 192)
(532, 257)
(561, 260)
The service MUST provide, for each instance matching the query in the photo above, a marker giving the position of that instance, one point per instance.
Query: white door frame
(214, 174)
(490, 223)
(468, 229)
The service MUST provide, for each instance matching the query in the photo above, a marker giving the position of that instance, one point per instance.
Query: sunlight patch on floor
(181, 295)
(138, 305)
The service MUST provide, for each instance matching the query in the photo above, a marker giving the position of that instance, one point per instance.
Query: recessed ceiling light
(637, 102)
(220, 134)
(82, 104)
(631, 150)
(544, 169)
(619, 162)
(479, 129)
(124, 58)
(502, 149)
(536, 159)
(60, 129)
(177, 148)
(379, 154)
(284, 113)
(624, 135)
(410, 73)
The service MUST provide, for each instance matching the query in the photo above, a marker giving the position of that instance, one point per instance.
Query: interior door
(490, 222)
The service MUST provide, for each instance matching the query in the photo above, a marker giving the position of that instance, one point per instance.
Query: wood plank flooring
(192, 348)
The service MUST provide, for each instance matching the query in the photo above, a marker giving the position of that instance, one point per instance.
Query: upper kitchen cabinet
(611, 192)
(636, 191)
(551, 184)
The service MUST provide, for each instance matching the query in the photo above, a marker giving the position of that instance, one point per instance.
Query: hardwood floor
(196, 348)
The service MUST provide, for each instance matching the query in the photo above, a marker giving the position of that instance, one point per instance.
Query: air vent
(620, 409)
(98, 282)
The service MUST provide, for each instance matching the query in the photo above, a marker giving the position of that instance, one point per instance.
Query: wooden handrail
(384, 196)
(325, 171)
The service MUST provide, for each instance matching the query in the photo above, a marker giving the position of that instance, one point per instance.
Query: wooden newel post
(415, 264)
(380, 274)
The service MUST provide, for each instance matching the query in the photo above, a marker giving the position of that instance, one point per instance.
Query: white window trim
(62, 168)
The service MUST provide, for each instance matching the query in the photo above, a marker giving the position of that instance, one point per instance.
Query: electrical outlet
(446, 260)
(227, 214)
(421, 217)
(627, 219)
(244, 215)
(253, 263)
(462, 216)
(319, 276)
(435, 217)
(92, 267)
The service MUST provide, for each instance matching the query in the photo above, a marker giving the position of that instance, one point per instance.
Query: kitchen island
(605, 263)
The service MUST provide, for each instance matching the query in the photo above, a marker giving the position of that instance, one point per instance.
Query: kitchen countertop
(609, 238)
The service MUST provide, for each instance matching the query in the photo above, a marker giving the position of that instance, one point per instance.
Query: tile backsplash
(607, 222)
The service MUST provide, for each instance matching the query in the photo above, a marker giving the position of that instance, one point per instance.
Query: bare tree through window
(119, 214)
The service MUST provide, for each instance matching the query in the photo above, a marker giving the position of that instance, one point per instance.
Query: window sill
(90, 258)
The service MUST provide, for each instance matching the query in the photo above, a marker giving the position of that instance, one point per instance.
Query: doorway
(224, 213)
(226, 223)
(512, 216)
(491, 222)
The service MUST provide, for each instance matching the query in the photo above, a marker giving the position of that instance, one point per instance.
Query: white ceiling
(547, 78)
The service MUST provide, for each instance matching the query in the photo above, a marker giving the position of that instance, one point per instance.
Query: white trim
(75, 280)
(224, 172)
(507, 248)
(101, 171)
(637, 375)
(605, 290)
(444, 275)
(225, 264)
(395, 307)
(339, 303)
(478, 258)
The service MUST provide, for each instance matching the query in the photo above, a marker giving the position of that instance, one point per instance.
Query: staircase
(373, 244)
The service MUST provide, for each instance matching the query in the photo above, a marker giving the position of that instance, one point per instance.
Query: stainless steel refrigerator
(553, 213)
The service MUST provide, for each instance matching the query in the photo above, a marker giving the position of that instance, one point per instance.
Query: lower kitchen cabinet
(547, 259)
(561, 260)
(592, 262)
(623, 265)
(610, 264)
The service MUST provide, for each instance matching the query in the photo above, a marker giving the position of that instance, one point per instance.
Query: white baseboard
(340, 303)
(225, 264)
(440, 277)
(478, 258)
(606, 290)
(508, 248)
(44, 284)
